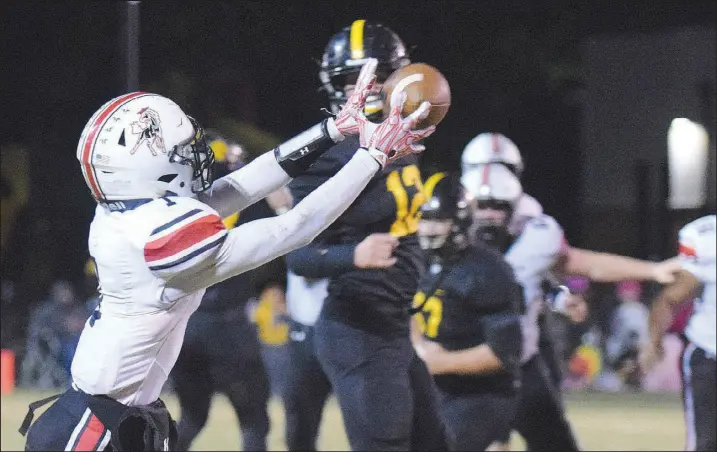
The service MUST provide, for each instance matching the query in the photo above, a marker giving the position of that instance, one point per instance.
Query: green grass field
(602, 422)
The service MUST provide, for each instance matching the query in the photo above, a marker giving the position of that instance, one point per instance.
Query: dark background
(514, 67)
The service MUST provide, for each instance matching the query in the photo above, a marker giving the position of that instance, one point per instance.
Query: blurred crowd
(600, 352)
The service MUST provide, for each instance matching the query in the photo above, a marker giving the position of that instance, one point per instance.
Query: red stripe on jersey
(183, 238)
(687, 251)
(92, 136)
(90, 437)
(496, 147)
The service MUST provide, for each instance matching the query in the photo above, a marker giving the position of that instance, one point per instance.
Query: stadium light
(687, 154)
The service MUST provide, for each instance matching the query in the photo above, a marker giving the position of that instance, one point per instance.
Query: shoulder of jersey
(698, 237)
(544, 232)
(177, 230)
(528, 207)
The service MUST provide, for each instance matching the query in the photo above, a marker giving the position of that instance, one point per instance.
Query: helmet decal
(149, 130)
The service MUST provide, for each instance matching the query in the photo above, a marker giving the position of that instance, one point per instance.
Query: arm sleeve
(254, 243)
(321, 261)
(243, 187)
(503, 336)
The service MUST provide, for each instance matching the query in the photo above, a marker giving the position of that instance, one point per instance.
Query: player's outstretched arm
(606, 267)
(274, 169)
(254, 243)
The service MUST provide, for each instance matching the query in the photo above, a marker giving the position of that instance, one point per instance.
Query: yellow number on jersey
(407, 216)
(431, 315)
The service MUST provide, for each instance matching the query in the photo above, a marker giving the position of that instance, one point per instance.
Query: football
(421, 82)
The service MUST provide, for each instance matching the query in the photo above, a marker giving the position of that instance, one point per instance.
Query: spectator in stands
(628, 332)
(54, 331)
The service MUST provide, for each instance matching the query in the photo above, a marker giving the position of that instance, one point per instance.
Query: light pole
(129, 41)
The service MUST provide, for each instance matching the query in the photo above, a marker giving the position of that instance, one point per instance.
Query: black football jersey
(468, 300)
(375, 300)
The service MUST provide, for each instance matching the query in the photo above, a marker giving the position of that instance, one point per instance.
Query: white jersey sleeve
(241, 188)
(697, 256)
(255, 243)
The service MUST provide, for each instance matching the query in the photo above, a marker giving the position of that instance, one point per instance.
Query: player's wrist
(378, 155)
(333, 131)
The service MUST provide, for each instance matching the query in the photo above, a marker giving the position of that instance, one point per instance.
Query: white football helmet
(492, 148)
(142, 145)
(495, 192)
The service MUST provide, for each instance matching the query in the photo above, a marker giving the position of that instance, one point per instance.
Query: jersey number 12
(399, 183)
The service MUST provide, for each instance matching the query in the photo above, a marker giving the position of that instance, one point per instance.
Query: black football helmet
(348, 50)
(446, 200)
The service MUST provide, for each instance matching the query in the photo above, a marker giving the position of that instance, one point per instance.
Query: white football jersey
(305, 297)
(697, 255)
(526, 208)
(128, 352)
(154, 262)
(532, 257)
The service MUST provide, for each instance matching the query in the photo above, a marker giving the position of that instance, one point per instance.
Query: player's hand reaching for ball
(394, 137)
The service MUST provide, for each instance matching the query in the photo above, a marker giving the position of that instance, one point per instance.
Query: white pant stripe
(78, 429)
(105, 440)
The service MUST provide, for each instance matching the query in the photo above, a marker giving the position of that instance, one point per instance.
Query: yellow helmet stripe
(356, 39)
(220, 148)
(431, 182)
(371, 110)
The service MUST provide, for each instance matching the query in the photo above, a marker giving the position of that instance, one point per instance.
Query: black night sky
(514, 67)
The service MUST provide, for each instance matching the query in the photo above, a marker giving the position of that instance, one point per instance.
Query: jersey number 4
(400, 184)
(431, 315)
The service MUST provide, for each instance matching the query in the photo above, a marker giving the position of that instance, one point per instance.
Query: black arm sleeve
(321, 261)
(504, 337)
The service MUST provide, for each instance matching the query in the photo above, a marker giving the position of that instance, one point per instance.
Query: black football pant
(386, 395)
(700, 397)
(221, 353)
(541, 419)
(79, 421)
(549, 350)
(475, 421)
(306, 390)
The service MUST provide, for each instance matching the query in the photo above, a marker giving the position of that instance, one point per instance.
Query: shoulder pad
(528, 207)
(181, 233)
(488, 281)
(543, 233)
(697, 239)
